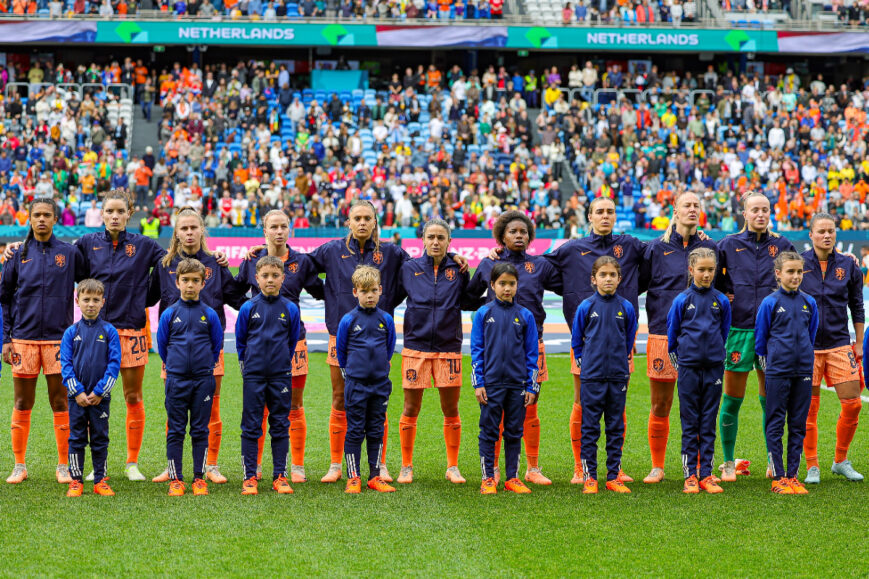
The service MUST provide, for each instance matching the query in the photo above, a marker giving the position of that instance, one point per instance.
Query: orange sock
(337, 432)
(846, 426)
(262, 439)
(135, 430)
(531, 431)
(576, 432)
(407, 437)
(61, 436)
(20, 433)
(810, 442)
(215, 431)
(385, 436)
(498, 442)
(298, 435)
(659, 432)
(453, 438)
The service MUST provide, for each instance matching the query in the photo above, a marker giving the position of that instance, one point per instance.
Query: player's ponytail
(37, 201)
(175, 244)
(375, 236)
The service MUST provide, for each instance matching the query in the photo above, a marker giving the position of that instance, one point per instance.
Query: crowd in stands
(237, 141)
(629, 12)
(853, 12)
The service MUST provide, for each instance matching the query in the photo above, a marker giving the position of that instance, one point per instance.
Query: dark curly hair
(505, 219)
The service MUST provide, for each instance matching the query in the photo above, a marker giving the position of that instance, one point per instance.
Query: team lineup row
(39, 278)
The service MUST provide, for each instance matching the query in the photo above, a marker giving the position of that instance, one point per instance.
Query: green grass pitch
(430, 527)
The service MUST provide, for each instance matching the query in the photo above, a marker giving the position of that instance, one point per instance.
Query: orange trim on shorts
(658, 365)
(835, 366)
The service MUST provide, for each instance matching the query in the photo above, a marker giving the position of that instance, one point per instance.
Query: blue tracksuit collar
(270, 299)
(817, 261)
(429, 261)
(121, 236)
(504, 304)
(677, 239)
(789, 293)
(189, 303)
(511, 255)
(366, 310)
(700, 290)
(92, 322)
(354, 245)
(604, 239)
(758, 237)
(198, 255)
(44, 244)
(604, 297)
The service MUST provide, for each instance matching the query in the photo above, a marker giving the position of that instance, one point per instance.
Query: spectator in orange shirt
(88, 184)
(143, 181)
(432, 79)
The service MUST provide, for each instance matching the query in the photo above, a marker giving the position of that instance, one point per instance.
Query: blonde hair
(784, 256)
(175, 244)
(375, 236)
(273, 213)
(366, 277)
(189, 265)
(90, 286)
(270, 261)
(752, 195)
(666, 236)
(701, 253)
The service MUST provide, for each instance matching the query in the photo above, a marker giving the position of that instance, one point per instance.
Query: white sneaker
(19, 474)
(132, 471)
(728, 471)
(497, 476)
(813, 476)
(162, 477)
(384, 474)
(297, 474)
(333, 474)
(406, 475)
(454, 476)
(212, 473)
(846, 470)
(90, 476)
(62, 474)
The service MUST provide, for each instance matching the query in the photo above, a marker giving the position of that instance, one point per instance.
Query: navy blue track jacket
(266, 332)
(745, 269)
(338, 263)
(664, 275)
(697, 327)
(124, 271)
(36, 292)
(536, 274)
(220, 287)
(90, 358)
(365, 344)
(189, 339)
(575, 258)
(433, 318)
(836, 292)
(603, 335)
(504, 347)
(787, 323)
(299, 274)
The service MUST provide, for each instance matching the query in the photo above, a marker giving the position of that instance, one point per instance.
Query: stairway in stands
(145, 134)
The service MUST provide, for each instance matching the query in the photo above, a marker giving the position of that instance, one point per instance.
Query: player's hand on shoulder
(10, 249)
(462, 261)
(495, 254)
(221, 259)
(251, 253)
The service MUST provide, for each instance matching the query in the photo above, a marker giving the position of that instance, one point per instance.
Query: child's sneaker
(535, 476)
(455, 476)
(617, 486)
(249, 487)
(655, 476)
(62, 474)
(333, 474)
(488, 487)
(384, 473)
(200, 488)
(379, 485)
(103, 489)
(710, 485)
(589, 487)
(797, 487)
(514, 485)
(75, 489)
(212, 473)
(405, 476)
(624, 477)
(354, 486)
(162, 477)
(297, 474)
(782, 487)
(282, 485)
(176, 488)
(692, 487)
(578, 475)
(19, 474)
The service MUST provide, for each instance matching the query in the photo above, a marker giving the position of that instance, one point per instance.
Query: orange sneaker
(624, 477)
(333, 474)
(249, 487)
(782, 487)
(617, 486)
(162, 477)
(454, 476)
(282, 485)
(62, 474)
(589, 487)
(212, 473)
(297, 474)
(384, 473)
(691, 486)
(535, 476)
(379, 485)
(655, 476)
(103, 489)
(710, 485)
(19, 474)
(514, 485)
(488, 487)
(742, 467)
(354, 486)
(75, 489)
(200, 488)
(176, 488)
(578, 475)
(797, 487)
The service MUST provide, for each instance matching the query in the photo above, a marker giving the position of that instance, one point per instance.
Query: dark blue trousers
(188, 397)
(508, 403)
(607, 399)
(787, 399)
(365, 405)
(276, 394)
(88, 422)
(699, 398)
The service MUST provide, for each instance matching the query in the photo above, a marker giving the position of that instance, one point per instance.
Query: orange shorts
(332, 356)
(218, 368)
(300, 358)
(29, 356)
(658, 366)
(418, 369)
(574, 369)
(134, 347)
(835, 366)
(542, 369)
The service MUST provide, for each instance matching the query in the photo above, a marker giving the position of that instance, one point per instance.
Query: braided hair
(37, 201)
